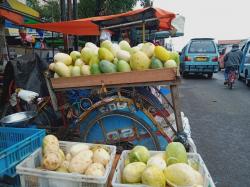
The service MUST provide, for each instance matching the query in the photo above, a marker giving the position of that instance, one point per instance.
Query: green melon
(94, 69)
(107, 67)
(156, 64)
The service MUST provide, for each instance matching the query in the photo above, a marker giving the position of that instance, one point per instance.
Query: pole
(75, 16)
(143, 32)
(69, 17)
(53, 47)
(63, 18)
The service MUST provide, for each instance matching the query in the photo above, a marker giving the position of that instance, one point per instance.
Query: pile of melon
(111, 57)
(81, 158)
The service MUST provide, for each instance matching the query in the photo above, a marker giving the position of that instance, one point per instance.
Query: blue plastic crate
(15, 145)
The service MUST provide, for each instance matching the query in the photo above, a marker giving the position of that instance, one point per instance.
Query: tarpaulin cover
(91, 26)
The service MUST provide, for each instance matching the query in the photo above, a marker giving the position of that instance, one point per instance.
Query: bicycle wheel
(120, 128)
(148, 101)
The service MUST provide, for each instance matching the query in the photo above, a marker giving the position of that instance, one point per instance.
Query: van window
(202, 46)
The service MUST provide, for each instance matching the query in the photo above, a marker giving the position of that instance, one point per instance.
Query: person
(232, 60)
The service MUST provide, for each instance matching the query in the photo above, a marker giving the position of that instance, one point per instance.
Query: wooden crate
(134, 78)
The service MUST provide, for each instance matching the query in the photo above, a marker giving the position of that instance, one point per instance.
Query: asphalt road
(220, 122)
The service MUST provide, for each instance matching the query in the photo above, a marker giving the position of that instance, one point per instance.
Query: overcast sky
(220, 19)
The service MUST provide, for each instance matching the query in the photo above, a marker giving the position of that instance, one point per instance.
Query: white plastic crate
(32, 177)
(195, 157)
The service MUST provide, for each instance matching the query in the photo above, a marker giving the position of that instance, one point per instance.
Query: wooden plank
(158, 76)
(177, 107)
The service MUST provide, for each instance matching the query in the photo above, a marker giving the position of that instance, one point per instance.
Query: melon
(162, 53)
(75, 55)
(86, 54)
(134, 49)
(139, 61)
(106, 44)
(94, 69)
(92, 46)
(107, 67)
(105, 54)
(79, 62)
(148, 49)
(75, 71)
(94, 60)
(85, 70)
(170, 64)
(64, 58)
(123, 66)
(124, 45)
(62, 70)
(123, 55)
(176, 153)
(51, 66)
(156, 63)
(115, 48)
(182, 174)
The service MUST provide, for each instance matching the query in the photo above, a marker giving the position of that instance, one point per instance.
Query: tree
(49, 11)
(89, 8)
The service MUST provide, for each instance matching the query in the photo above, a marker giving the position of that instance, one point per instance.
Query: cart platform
(124, 79)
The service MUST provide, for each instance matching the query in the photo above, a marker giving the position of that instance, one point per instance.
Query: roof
(92, 26)
(226, 42)
(18, 13)
(14, 4)
(202, 39)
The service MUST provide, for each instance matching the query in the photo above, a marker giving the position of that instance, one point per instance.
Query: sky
(219, 19)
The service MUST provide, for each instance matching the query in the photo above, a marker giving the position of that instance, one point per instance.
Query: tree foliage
(50, 11)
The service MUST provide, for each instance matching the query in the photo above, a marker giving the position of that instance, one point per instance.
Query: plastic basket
(15, 145)
(32, 177)
(194, 157)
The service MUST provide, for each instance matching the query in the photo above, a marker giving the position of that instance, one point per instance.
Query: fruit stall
(122, 121)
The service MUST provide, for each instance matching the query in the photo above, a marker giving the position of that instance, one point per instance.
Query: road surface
(220, 122)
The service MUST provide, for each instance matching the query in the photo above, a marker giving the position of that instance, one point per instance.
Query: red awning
(13, 17)
(91, 26)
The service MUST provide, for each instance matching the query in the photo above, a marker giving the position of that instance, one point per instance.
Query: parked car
(244, 68)
(199, 56)
(221, 57)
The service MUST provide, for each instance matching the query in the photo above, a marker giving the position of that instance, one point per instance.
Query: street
(220, 122)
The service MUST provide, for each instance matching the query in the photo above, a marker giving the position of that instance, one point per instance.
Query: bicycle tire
(142, 123)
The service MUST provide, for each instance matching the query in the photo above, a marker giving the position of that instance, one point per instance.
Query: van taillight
(215, 59)
(187, 59)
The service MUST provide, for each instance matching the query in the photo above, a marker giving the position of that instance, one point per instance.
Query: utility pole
(75, 16)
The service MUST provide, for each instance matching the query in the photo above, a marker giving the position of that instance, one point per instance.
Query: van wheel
(209, 75)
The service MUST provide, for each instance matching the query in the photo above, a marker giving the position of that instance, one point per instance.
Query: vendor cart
(116, 108)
